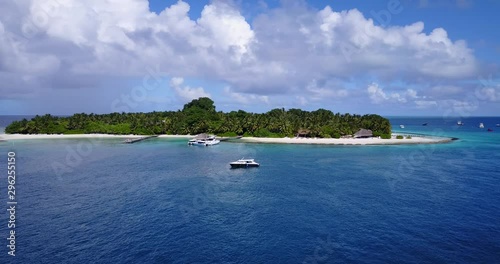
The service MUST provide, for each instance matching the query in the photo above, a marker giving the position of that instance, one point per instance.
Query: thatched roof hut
(303, 132)
(363, 133)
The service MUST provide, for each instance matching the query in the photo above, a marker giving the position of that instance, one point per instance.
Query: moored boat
(490, 130)
(204, 141)
(481, 125)
(459, 123)
(244, 163)
(401, 126)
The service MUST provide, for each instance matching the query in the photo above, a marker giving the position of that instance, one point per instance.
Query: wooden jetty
(134, 140)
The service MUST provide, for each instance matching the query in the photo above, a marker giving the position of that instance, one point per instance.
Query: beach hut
(303, 133)
(363, 133)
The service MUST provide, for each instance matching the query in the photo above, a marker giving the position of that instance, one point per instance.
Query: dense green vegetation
(200, 116)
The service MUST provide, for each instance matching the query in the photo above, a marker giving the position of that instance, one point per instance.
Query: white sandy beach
(45, 136)
(349, 141)
(326, 141)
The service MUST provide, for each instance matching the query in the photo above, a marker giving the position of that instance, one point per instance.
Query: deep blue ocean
(161, 201)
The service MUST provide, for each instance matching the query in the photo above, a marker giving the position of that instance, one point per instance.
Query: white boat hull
(205, 143)
(244, 163)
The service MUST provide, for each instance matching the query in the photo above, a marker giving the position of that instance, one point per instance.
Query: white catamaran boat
(401, 126)
(206, 141)
(459, 123)
(481, 125)
(244, 163)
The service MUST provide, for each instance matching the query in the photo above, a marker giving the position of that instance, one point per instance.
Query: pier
(134, 140)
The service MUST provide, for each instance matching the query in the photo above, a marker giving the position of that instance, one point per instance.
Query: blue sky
(391, 57)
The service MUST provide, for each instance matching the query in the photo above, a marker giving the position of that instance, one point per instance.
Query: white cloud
(226, 29)
(488, 93)
(445, 90)
(378, 96)
(176, 81)
(423, 104)
(185, 92)
(243, 98)
(284, 51)
(316, 92)
(302, 100)
(462, 107)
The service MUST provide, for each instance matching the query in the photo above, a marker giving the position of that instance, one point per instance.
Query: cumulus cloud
(488, 93)
(488, 89)
(378, 96)
(185, 92)
(318, 92)
(284, 50)
(245, 98)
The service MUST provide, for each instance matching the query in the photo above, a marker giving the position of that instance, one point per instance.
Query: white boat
(208, 141)
(481, 125)
(401, 126)
(244, 163)
(498, 125)
(460, 123)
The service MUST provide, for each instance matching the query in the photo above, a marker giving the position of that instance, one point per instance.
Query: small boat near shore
(244, 163)
(401, 126)
(424, 124)
(459, 123)
(490, 130)
(204, 141)
(481, 125)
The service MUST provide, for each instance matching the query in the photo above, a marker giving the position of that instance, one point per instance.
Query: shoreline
(313, 141)
(6, 137)
(349, 141)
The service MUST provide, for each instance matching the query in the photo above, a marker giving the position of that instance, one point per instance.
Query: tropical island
(200, 116)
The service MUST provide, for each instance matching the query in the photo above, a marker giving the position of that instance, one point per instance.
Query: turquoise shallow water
(160, 201)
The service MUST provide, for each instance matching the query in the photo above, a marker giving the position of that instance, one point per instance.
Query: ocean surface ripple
(160, 201)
